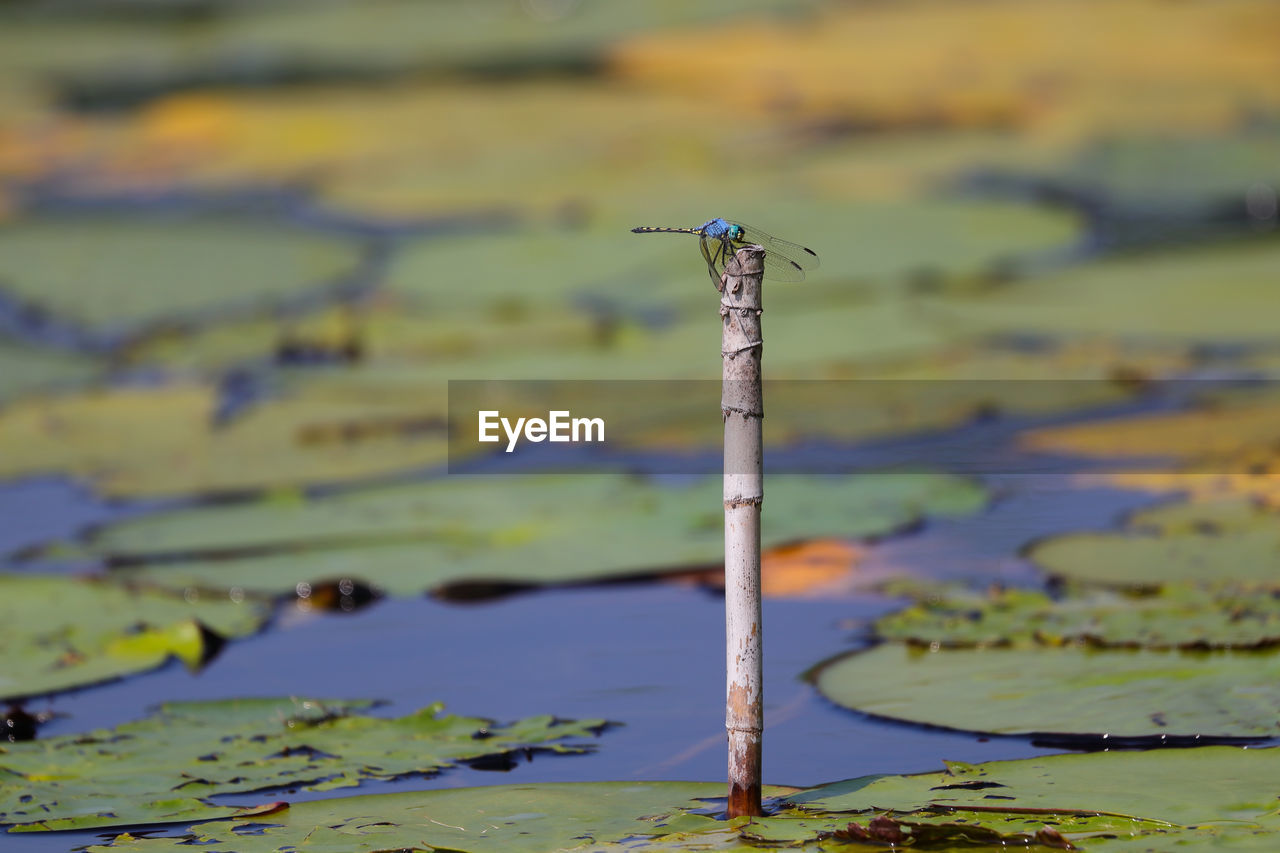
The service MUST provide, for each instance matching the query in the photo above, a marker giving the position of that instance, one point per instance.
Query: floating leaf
(1120, 800)
(1177, 615)
(23, 370)
(517, 530)
(65, 632)
(117, 275)
(1174, 787)
(1220, 516)
(1217, 294)
(1223, 544)
(1214, 435)
(1259, 482)
(166, 441)
(113, 60)
(164, 767)
(905, 77)
(1064, 691)
(1168, 169)
(504, 819)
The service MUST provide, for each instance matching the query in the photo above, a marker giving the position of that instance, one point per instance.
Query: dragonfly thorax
(719, 229)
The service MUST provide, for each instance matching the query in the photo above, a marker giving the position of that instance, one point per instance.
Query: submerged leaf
(885, 830)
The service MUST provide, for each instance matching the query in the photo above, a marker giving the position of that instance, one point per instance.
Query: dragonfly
(720, 238)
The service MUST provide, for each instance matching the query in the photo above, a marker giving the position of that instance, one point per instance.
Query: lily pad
(1174, 787)
(1216, 294)
(24, 370)
(1204, 166)
(1256, 477)
(62, 632)
(1210, 438)
(168, 441)
(1231, 543)
(505, 819)
(898, 83)
(1204, 516)
(112, 277)
(1119, 800)
(1223, 447)
(518, 530)
(1070, 690)
(1181, 615)
(164, 767)
(124, 54)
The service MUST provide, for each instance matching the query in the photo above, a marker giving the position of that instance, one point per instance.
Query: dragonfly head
(734, 232)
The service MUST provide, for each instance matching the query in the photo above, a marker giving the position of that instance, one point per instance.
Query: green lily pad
(154, 49)
(65, 632)
(505, 819)
(1175, 787)
(1202, 167)
(1177, 615)
(1228, 543)
(24, 370)
(165, 441)
(1068, 690)
(124, 274)
(1225, 434)
(1183, 799)
(1216, 294)
(162, 768)
(521, 530)
(1223, 516)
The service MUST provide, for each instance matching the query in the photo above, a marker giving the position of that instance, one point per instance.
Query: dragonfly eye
(735, 232)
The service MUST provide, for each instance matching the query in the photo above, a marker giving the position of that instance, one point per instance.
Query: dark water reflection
(43, 509)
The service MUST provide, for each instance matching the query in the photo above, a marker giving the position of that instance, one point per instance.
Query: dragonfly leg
(723, 255)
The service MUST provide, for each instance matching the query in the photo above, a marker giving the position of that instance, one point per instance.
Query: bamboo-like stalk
(742, 406)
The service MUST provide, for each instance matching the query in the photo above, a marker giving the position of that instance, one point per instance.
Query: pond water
(649, 656)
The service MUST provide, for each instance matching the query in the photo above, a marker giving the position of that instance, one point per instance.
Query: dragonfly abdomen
(655, 229)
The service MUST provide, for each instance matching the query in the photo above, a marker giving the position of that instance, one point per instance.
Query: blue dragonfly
(720, 238)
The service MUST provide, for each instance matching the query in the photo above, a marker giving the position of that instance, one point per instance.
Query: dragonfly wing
(784, 260)
(712, 256)
(779, 267)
